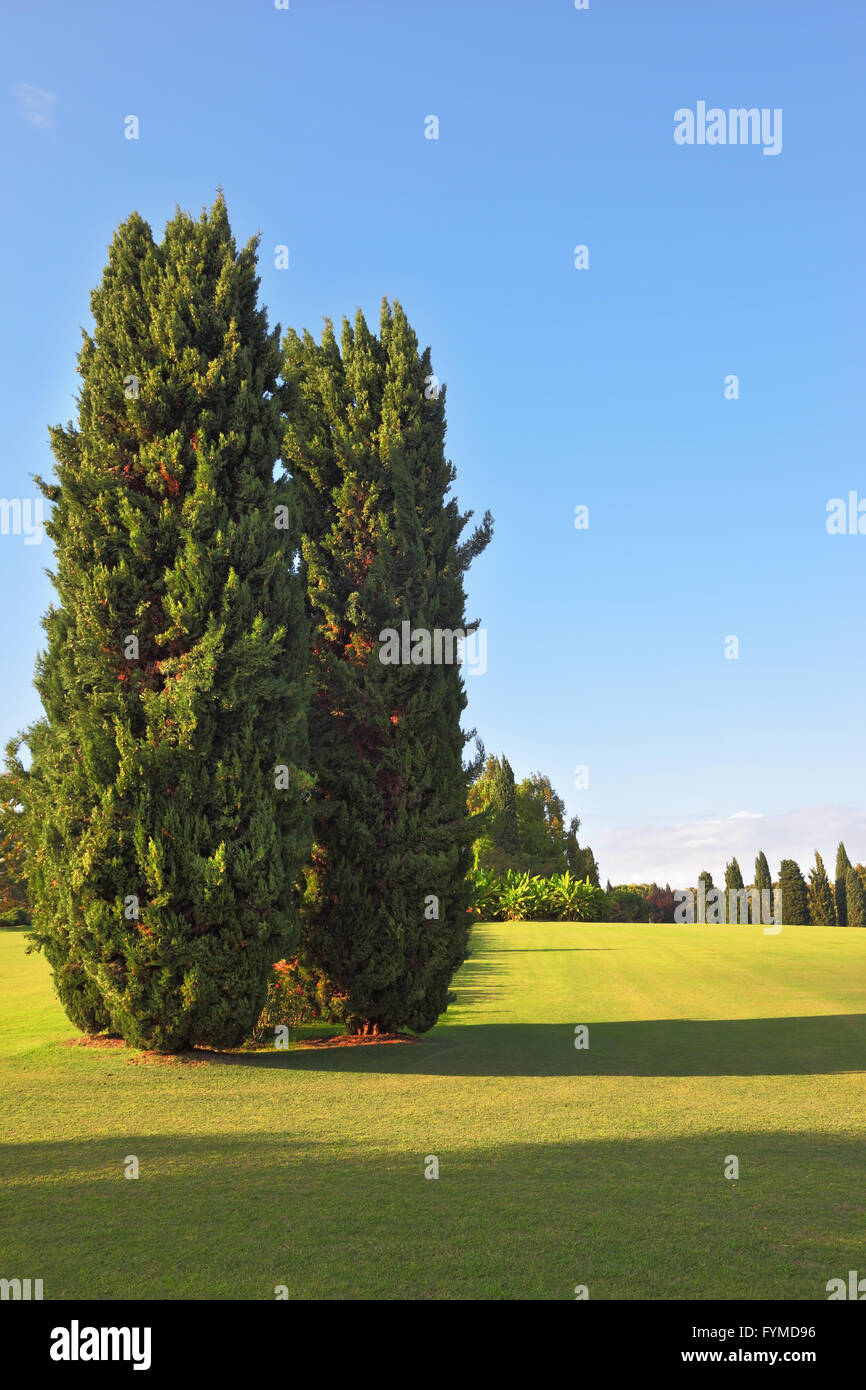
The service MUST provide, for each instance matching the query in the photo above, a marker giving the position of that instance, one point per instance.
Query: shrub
(486, 892)
(575, 900)
(519, 902)
(296, 996)
(662, 903)
(531, 898)
(625, 904)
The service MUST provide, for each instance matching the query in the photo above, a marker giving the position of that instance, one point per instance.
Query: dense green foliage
(531, 838)
(386, 911)
(14, 907)
(795, 897)
(497, 823)
(843, 864)
(526, 897)
(855, 898)
(763, 877)
(163, 844)
(706, 878)
(822, 899)
(733, 876)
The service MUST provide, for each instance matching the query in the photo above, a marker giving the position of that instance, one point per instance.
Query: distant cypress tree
(507, 834)
(734, 881)
(386, 911)
(705, 878)
(795, 897)
(843, 864)
(855, 898)
(733, 876)
(162, 856)
(763, 879)
(822, 899)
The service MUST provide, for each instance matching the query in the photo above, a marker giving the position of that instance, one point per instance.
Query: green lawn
(558, 1167)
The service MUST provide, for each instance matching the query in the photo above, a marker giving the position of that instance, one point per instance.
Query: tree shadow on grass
(231, 1216)
(824, 1044)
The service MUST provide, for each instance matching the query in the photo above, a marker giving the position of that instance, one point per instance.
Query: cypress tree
(795, 898)
(733, 880)
(733, 876)
(763, 880)
(506, 834)
(855, 898)
(386, 911)
(705, 879)
(164, 811)
(822, 899)
(843, 864)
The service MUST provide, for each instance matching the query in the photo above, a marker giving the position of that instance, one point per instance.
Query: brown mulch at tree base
(101, 1040)
(189, 1059)
(356, 1040)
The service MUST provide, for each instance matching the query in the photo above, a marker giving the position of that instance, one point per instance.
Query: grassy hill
(559, 1167)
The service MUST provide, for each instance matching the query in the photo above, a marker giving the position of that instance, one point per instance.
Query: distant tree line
(819, 901)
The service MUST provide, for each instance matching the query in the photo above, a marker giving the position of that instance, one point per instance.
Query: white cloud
(35, 105)
(676, 854)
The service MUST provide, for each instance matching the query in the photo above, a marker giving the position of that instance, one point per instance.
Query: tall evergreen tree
(795, 897)
(506, 832)
(164, 817)
(822, 899)
(734, 881)
(705, 881)
(733, 876)
(843, 864)
(386, 912)
(763, 877)
(855, 898)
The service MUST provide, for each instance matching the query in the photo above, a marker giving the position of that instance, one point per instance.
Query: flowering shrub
(296, 996)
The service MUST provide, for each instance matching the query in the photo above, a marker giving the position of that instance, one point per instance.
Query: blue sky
(603, 387)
